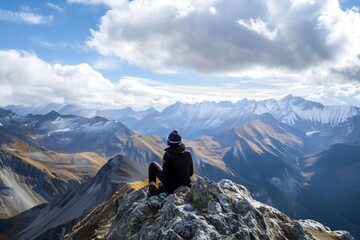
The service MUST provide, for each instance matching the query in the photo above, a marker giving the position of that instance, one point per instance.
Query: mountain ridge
(207, 210)
(292, 110)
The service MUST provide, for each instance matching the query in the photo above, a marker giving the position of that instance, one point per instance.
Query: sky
(152, 53)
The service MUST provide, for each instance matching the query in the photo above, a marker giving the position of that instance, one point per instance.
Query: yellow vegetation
(139, 184)
(321, 235)
(209, 151)
(75, 166)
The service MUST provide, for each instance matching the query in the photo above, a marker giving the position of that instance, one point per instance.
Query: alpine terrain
(296, 155)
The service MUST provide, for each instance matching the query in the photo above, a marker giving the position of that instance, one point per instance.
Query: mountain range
(106, 207)
(289, 153)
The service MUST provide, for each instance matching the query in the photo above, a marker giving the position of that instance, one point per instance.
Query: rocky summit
(207, 210)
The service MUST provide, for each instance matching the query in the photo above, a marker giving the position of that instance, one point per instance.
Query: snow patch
(65, 139)
(310, 134)
(63, 130)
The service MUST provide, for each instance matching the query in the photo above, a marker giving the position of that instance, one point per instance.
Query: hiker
(176, 170)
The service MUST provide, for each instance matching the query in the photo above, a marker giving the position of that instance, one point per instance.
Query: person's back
(177, 166)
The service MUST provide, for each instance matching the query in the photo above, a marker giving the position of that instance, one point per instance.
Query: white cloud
(55, 7)
(25, 16)
(26, 79)
(229, 37)
(259, 27)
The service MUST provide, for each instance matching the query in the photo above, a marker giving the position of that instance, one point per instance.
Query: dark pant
(155, 170)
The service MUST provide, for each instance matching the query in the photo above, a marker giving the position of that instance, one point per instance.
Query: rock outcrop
(207, 210)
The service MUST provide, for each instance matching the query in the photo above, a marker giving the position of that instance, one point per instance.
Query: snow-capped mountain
(210, 118)
(69, 133)
(127, 115)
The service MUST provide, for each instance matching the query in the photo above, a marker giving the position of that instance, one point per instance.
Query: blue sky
(145, 53)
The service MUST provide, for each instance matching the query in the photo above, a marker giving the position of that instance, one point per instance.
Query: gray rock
(188, 207)
(207, 210)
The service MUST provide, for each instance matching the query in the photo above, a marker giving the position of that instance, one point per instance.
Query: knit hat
(174, 138)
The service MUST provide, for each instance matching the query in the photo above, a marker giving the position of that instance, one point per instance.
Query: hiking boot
(153, 189)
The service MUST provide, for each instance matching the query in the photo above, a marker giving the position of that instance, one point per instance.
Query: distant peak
(288, 97)
(51, 115)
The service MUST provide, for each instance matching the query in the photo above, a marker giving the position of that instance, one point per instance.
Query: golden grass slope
(208, 150)
(67, 167)
(30, 175)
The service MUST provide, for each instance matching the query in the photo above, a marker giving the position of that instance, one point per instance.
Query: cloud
(25, 16)
(27, 79)
(259, 27)
(228, 38)
(55, 7)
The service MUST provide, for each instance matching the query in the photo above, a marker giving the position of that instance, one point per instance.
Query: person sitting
(177, 167)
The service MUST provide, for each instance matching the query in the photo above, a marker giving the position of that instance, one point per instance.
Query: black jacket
(177, 168)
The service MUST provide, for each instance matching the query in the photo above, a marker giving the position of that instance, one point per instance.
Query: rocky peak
(207, 210)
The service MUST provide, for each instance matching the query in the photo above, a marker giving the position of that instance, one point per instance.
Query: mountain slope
(334, 175)
(30, 176)
(49, 221)
(24, 185)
